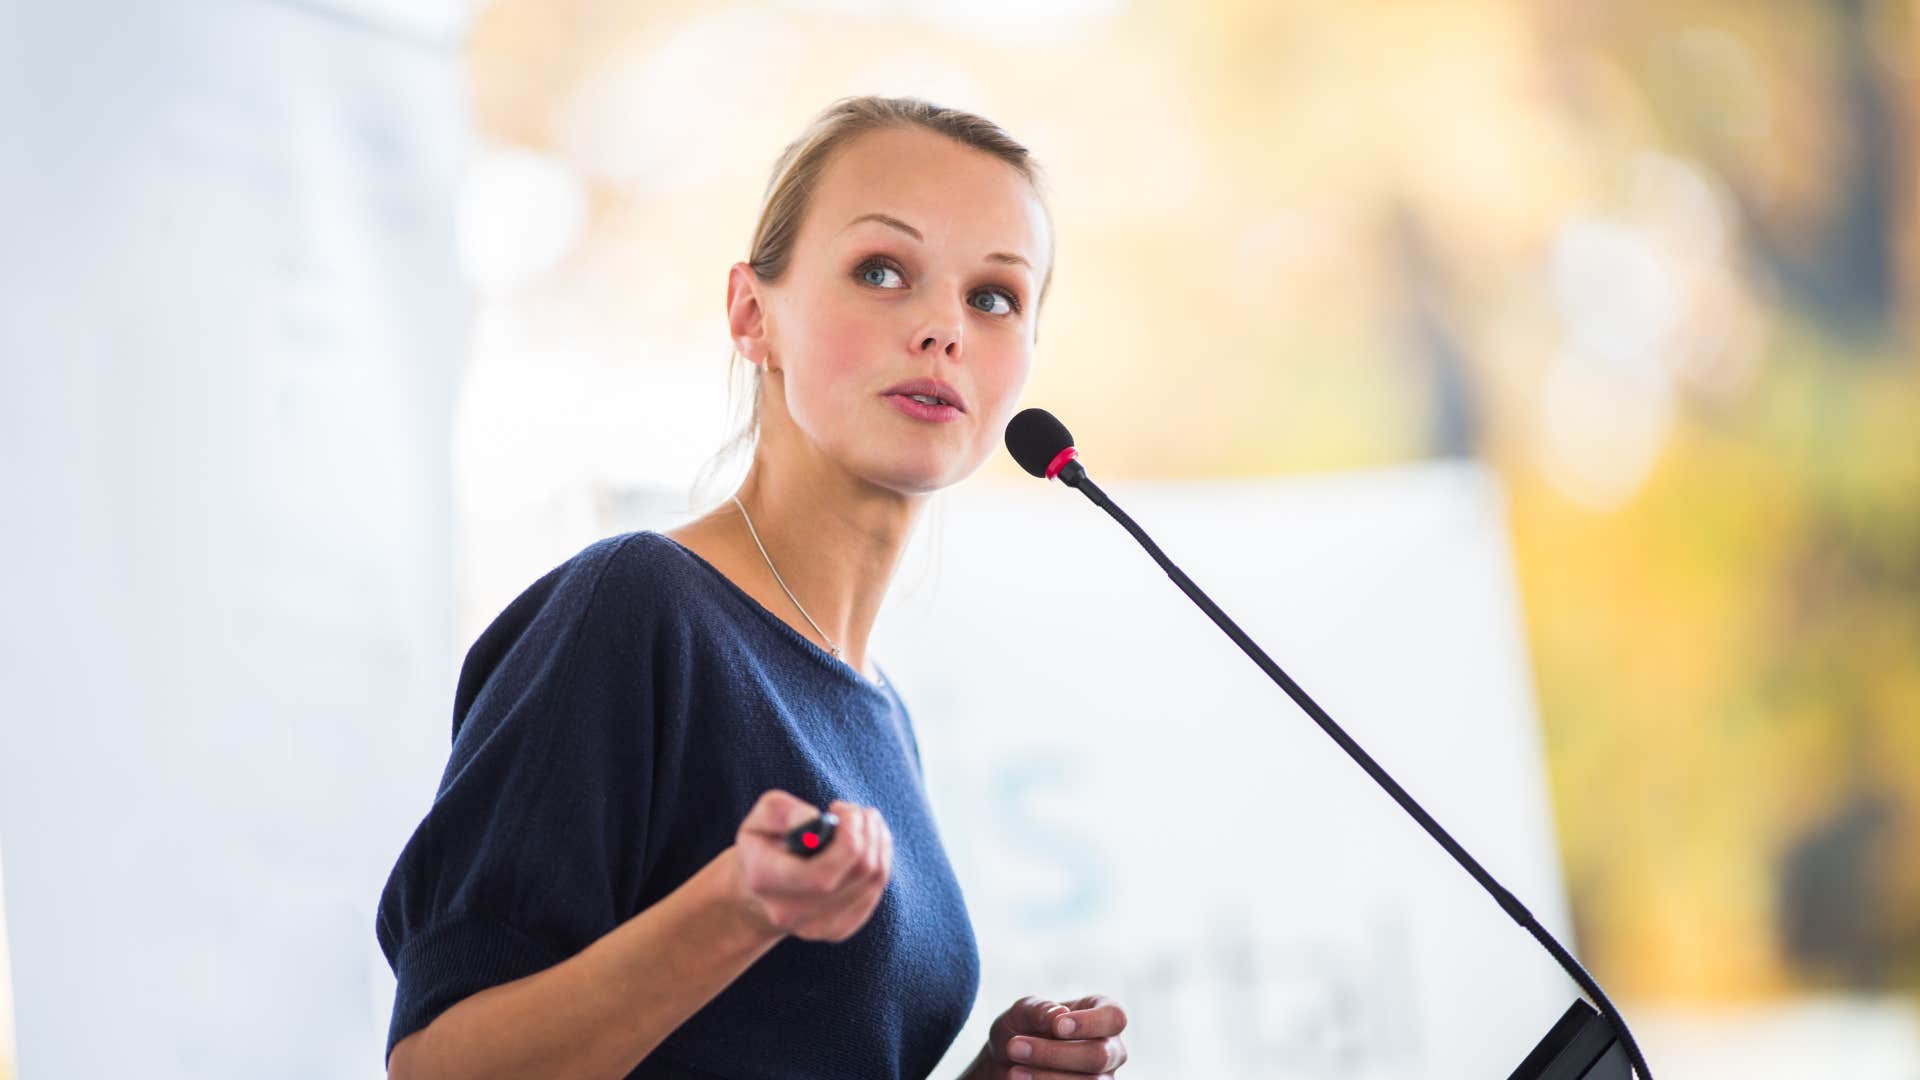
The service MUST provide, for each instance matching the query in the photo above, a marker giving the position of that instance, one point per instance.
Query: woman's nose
(938, 334)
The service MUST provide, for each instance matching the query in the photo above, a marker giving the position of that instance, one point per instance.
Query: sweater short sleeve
(536, 838)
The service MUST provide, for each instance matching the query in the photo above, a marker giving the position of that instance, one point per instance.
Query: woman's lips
(936, 413)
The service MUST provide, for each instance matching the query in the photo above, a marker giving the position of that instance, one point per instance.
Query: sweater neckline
(780, 626)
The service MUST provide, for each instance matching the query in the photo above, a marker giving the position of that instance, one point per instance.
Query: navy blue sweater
(611, 729)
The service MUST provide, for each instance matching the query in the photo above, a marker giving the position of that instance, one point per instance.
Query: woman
(601, 887)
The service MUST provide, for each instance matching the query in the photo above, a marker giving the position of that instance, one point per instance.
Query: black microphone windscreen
(1035, 438)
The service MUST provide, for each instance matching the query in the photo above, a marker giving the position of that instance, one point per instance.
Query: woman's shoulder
(618, 602)
(639, 579)
(640, 557)
(637, 563)
(627, 579)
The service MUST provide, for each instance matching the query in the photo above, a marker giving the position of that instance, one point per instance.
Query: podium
(1581, 1045)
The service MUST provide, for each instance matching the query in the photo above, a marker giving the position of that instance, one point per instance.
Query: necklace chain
(831, 647)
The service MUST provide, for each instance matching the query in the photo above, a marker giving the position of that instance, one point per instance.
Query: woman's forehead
(943, 190)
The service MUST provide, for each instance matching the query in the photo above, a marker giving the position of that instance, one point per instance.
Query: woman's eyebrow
(895, 223)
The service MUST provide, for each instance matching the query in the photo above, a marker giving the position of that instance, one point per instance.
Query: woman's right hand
(827, 897)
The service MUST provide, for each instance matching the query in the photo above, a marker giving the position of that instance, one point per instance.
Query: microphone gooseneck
(1044, 448)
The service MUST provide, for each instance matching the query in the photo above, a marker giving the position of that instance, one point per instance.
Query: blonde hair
(789, 193)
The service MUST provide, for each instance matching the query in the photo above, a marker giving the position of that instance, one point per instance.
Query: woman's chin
(918, 474)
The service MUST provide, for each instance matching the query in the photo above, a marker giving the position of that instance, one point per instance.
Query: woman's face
(866, 304)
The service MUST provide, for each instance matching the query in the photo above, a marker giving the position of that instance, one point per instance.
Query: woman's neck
(834, 542)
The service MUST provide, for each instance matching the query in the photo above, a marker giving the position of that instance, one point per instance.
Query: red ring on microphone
(1060, 461)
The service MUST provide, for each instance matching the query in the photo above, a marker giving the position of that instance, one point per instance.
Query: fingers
(777, 813)
(868, 879)
(831, 896)
(1069, 1057)
(1028, 1016)
(1042, 1039)
(858, 884)
(1091, 1017)
(829, 872)
(875, 864)
(849, 863)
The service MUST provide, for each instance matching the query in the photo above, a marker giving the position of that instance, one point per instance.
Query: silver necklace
(831, 647)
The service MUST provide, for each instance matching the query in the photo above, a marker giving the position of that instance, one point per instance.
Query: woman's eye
(867, 271)
(1004, 298)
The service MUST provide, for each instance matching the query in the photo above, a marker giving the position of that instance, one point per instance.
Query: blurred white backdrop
(232, 332)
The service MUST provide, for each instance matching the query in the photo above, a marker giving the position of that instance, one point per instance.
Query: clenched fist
(824, 898)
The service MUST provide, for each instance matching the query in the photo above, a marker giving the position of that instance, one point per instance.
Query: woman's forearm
(599, 1013)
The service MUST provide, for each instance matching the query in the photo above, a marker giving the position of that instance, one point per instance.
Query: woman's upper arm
(536, 833)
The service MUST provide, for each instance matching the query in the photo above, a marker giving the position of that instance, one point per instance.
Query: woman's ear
(746, 318)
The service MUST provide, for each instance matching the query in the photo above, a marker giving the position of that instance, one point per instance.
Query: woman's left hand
(1038, 1039)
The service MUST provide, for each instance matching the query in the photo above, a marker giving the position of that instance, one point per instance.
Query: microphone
(1581, 1045)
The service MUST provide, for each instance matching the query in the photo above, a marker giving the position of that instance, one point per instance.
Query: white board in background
(1134, 808)
(233, 330)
